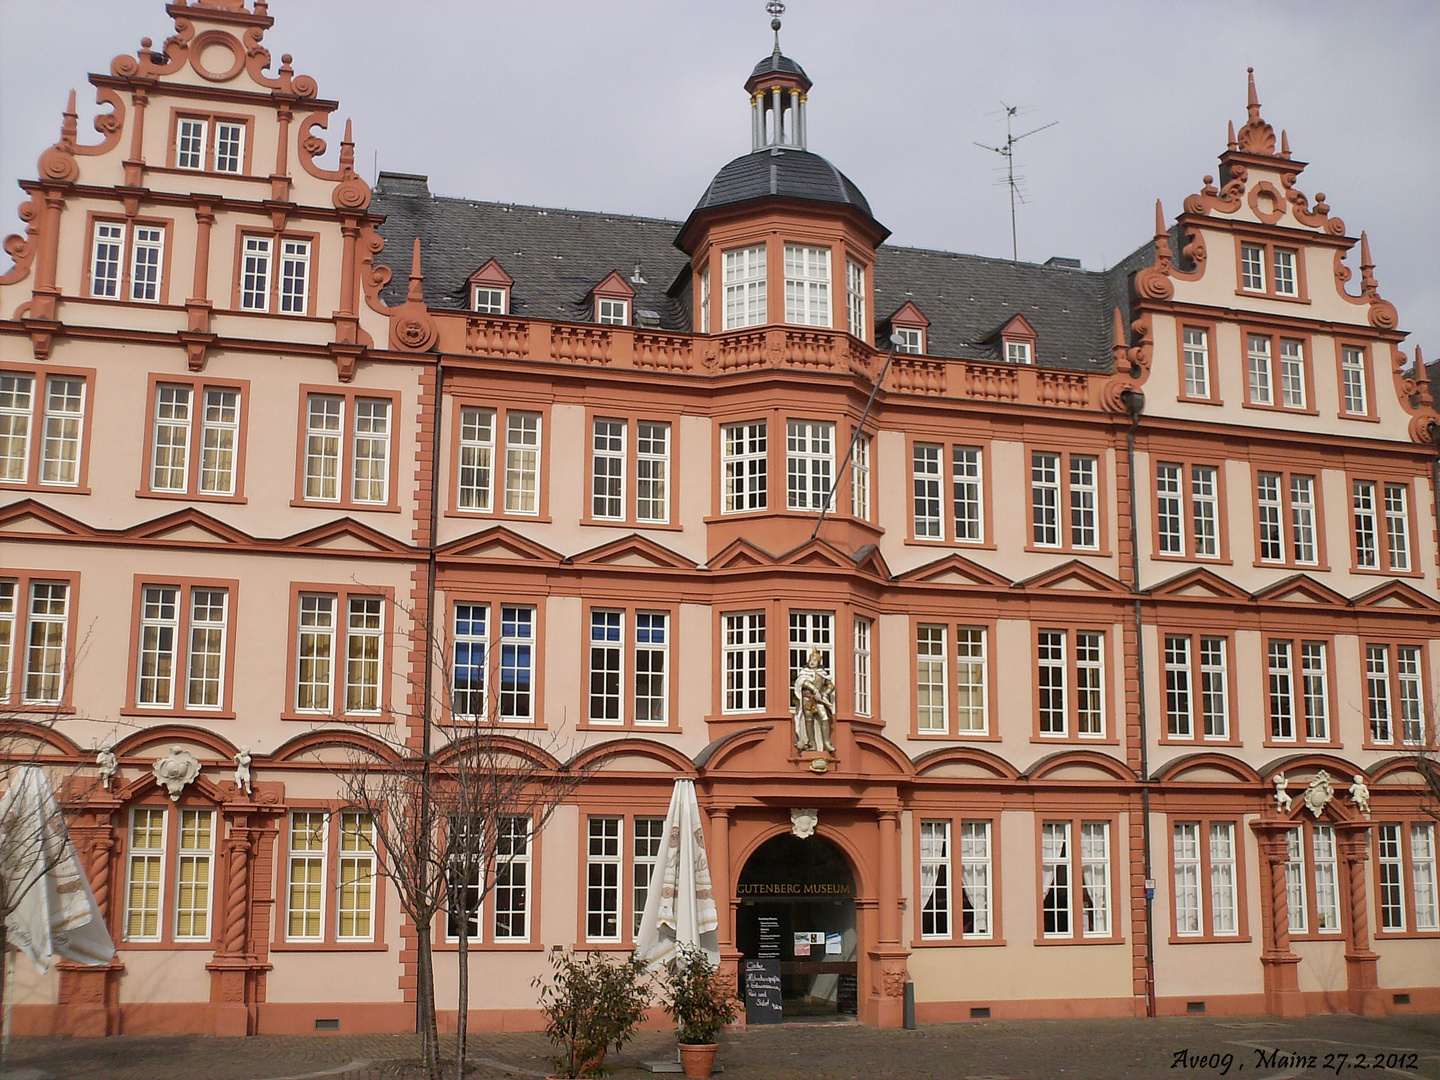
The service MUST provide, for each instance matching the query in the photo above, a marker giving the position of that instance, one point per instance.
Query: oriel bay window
(809, 464)
(743, 652)
(810, 630)
(346, 436)
(42, 428)
(807, 285)
(629, 666)
(196, 440)
(183, 655)
(341, 646)
(498, 455)
(1075, 872)
(947, 913)
(745, 298)
(744, 458)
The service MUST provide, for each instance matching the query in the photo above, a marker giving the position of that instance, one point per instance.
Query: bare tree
(451, 810)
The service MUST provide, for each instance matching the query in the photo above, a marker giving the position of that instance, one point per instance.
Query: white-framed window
(807, 285)
(1292, 374)
(745, 287)
(652, 472)
(1202, 537)
(182, 641)
(1390, 865)
(170, 441)
(1354, 381)
(1407, 901)
(355, 902)
(912, 339)
(522, 462)
(968, 494)
(190, 139)
(935, 692)
(55, 406)
(811, 630)
(1261, 351)
(1205, 855)
(1063, 907)
(107, 257)
(649, 835)
(487, 300)
(1071, 680)
(1377, 548)
(1284, 264)
(175, 427)
(1196, 347)
(321, 684)
(145, 873)
(194, 149)
(652, 667)
(705, 300)
(931, 682)
(744, 653)
(1301, 703)
(1295, 890)
(1273, 490)
(470, 660)
(127, 259)
(476, 482)
(9, 589)
(1197, 687)
(368, 450)
(1252, 267)
(219, 434)
(612, 312)
(194, 875)
(229, 147)
(607, 647)
(976, 882)
(46, 641)
(147, 256)
(935, 879)
(864, 630)
(1260, 382)
(324, 424)
(855, 298)
(255, 273)
(1080, 500)
(603, 865)
(860, 478)
(294, 276)
(927, 478)
(1395, 693)
(1302, 517)
(1327, 880)
(517, 663)
(1397, 526)
(1017, 352)
(809, 464)
(607, 470)
(745, 457)
(305, 877)
(511, 892)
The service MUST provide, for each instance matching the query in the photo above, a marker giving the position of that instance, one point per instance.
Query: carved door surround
(1352, 836)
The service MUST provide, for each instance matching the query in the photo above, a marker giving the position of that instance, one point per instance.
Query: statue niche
(814, 691)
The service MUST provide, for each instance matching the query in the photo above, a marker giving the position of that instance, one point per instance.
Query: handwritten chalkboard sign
(762, 992)
(847, 994)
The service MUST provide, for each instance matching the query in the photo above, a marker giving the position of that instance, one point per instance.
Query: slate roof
(557, 256)
(778, 62)
(782, 171)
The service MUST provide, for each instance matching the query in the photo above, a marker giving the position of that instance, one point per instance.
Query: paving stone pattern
(997, 1050)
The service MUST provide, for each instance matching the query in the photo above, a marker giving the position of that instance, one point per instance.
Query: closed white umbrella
(53, 911)
(680, 903)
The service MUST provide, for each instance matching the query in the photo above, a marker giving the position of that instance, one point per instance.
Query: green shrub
(592, 1001)
(697, 997)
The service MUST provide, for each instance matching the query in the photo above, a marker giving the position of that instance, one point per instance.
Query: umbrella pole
(9, 1004)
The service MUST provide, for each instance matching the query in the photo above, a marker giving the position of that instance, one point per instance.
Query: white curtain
(680, 903)
(56, 913)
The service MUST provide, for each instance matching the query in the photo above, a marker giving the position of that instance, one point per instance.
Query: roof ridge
(995, 259)
(532, 206)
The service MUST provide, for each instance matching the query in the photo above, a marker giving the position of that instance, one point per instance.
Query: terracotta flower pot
(698, 1059)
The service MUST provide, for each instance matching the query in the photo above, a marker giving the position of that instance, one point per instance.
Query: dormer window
(1017, 341)
(610, 301)
(911, 339)
(613, 312)
(1017, 352)
(489, 301)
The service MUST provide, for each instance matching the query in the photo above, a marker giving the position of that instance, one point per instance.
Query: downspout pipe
(1135, 405)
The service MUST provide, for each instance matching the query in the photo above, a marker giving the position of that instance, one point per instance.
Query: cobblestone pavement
(1263, 1048)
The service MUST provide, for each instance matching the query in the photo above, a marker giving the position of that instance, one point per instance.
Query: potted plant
(701, 1004)
(591, 1002)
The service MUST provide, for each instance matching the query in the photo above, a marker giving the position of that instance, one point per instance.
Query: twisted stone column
(237, 893)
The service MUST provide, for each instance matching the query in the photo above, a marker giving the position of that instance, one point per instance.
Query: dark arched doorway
(797, 909)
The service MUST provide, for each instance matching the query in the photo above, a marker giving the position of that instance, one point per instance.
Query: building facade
(1116, 591)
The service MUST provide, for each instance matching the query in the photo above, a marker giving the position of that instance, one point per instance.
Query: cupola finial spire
(776, 9)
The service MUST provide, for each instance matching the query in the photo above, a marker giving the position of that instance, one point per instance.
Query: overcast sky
(631, 108)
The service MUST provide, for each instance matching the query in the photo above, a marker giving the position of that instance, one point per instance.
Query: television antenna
(1012, 181)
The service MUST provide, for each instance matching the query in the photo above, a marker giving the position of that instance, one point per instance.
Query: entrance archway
(797, 909)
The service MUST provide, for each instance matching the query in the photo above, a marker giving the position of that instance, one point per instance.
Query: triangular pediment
(188, 526)
(741, 554)
(817, 553)
(868, 560)
(492, 274)
(498, 543)
(1018, 328)
(36, 519)
(1200, 585)
(633, 550)
(1300, 589)
(1073, 576)
(1396, 595)
(909, 315)
(955, 570)
(346, 535)
(613, 284)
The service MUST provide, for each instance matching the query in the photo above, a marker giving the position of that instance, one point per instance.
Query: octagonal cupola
(785, 236)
